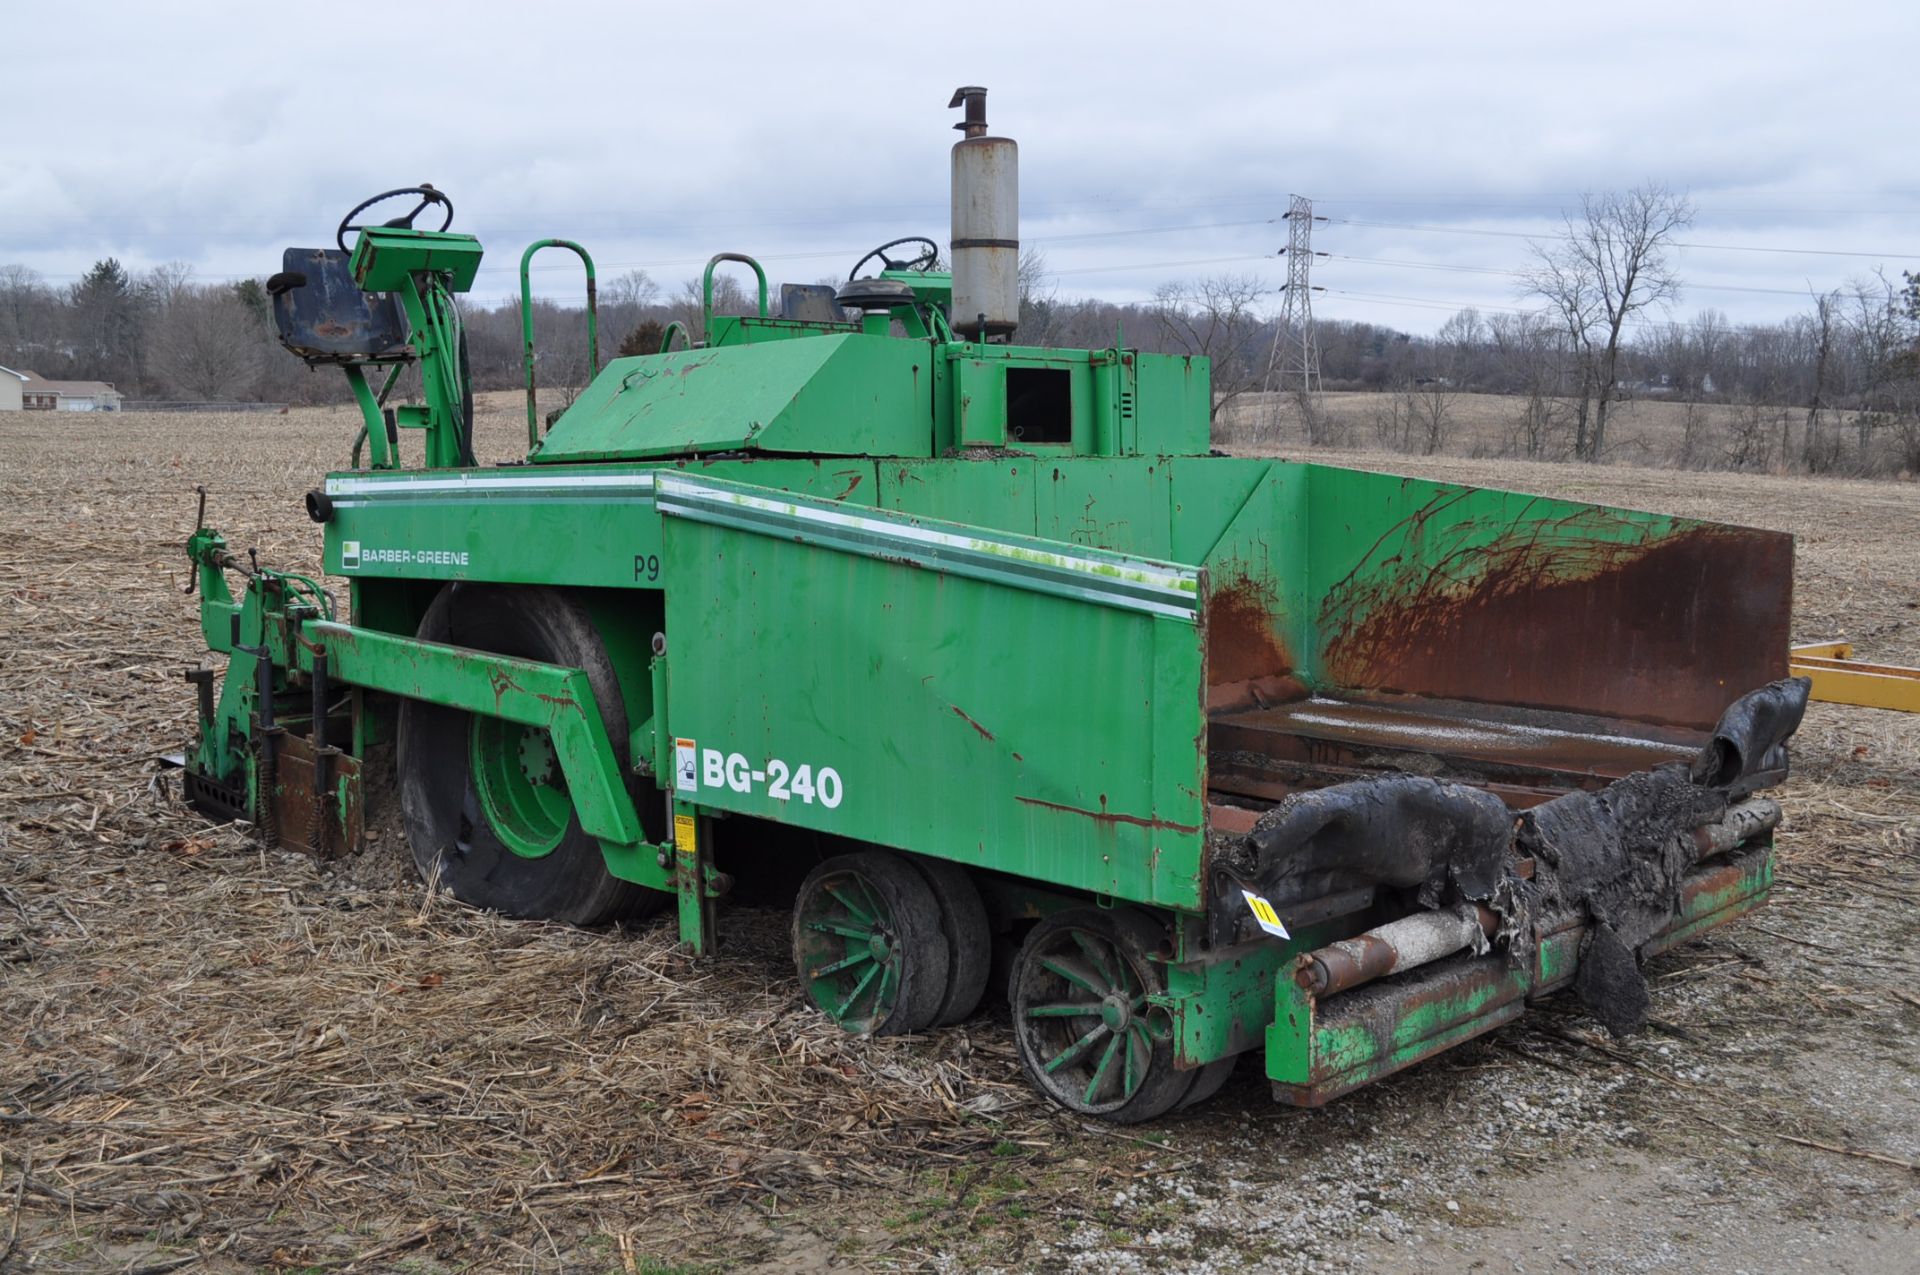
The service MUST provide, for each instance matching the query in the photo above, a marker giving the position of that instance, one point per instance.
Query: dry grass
(1654, 431)
(223, 1058)
(308, 1069)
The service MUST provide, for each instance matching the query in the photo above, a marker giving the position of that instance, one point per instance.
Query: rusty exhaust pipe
(1425, 937)
(1398, 945)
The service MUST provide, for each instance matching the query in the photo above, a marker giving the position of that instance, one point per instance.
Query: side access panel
(1023, 705)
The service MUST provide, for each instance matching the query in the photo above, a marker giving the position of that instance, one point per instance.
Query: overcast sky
(1158, 141)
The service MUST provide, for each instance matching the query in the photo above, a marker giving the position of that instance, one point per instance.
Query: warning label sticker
(686, 766)
(1263, 913)
(683, 834)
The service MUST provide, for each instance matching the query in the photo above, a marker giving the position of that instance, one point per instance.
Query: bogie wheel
(868, 944)
(1082, 1025)
(1209, 1080)
(963, 920)
(485, 803)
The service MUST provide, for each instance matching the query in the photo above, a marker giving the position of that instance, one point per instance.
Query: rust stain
(850, 486)
(1108, 817)
(502, 682)
(962, 714)
(1241, 643)
(1236, 820)
(1546, 614)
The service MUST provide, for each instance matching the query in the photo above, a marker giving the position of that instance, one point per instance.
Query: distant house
(37, 394)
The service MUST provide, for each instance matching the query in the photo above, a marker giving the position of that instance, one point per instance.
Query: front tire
(485, 804)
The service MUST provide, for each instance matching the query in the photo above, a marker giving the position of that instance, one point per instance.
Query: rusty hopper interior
(1524, 645)
(1384, 642)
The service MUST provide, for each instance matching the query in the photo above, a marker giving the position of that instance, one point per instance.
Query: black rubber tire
(449, 835)
(963, 919)
(913, 916)
(1133, 935)
(1208, 1081)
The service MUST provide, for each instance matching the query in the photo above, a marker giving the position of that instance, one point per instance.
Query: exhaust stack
(986, 224)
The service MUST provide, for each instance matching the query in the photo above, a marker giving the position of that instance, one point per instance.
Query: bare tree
(1529, 350)
(1710, 333)
(1877, 337)
(167, 283)
(206, 344)
(21, 291)
(1214, 317)
(729, 297)
(1038, 295)
(1609, 265)
(634, 288)
(1813, 447)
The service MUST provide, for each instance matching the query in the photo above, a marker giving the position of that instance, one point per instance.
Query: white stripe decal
(1182, 586)
(638, 483)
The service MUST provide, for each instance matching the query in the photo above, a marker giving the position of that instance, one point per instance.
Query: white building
(34, 393)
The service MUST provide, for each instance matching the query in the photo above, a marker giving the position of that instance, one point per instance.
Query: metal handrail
(706, 287)
(526, 322)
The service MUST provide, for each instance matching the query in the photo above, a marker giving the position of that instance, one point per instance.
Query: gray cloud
(660, 134)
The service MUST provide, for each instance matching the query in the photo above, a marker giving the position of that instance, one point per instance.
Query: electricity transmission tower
(1293, 366)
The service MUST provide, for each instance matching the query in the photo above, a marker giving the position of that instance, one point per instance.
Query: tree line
(1835, 387)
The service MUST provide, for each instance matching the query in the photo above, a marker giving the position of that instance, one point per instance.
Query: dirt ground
(217, 1058)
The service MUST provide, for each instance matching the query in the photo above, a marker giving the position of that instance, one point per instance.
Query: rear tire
(963, 919)
(485, 806)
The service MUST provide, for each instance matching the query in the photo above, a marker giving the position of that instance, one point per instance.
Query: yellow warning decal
(683, 833)
(1263, 913)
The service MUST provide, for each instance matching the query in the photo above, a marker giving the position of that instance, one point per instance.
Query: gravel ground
(1768, 1122)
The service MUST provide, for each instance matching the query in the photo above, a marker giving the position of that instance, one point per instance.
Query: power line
(1521, 274)
(1709, 247)
(1454, 307)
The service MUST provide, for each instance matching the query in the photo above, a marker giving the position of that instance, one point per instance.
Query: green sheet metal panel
(590, 525)
(994, 493)
(1495, 596)
(1246, 521)
(1172, 397)
(1012, 703)
(1123, 505)
(845, 395)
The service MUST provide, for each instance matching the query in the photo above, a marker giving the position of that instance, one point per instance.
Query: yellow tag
(1263, 913)
(683, 833)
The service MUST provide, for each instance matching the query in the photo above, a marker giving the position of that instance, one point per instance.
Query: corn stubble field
(217, 1058)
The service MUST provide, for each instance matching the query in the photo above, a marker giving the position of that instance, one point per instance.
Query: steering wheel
(922, 261)
(428, 196)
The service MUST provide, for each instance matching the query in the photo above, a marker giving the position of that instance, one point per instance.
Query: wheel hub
(521, 792)
(536, 755)
(1116, 1013)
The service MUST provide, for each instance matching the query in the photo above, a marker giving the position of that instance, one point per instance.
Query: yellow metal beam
(1838, 679)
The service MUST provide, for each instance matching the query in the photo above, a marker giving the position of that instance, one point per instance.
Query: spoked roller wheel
(963, 920)
(1082, 1024)
(486, 805)
(868, 944)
